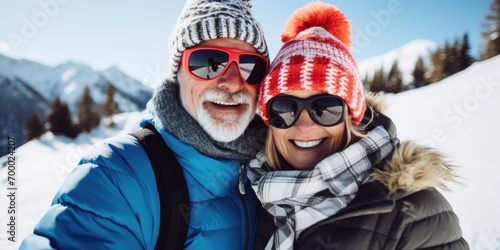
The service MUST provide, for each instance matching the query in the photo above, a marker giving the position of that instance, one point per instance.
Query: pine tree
(110, 106)
(436, 72)
(378, 81)
(491, 33)
(449, 56)
(394, 82)
(464, 57)
(88, 118)
(366, 82)
(59, 119)
(33, 127)
(419, 74)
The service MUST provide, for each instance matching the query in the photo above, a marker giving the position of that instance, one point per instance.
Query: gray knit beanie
(202, 20)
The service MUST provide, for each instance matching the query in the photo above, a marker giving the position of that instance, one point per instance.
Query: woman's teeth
(307, 144)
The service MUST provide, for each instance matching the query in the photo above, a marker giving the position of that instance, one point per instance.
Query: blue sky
(132, 35)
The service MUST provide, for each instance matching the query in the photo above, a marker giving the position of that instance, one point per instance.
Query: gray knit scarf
(175, 118)
(297, 199)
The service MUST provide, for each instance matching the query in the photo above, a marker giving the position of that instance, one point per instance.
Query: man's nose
(231, 81)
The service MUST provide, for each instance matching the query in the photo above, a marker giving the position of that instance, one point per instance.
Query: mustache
(220, 96)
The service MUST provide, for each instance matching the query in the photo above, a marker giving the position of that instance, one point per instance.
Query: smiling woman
(333, 167)
(307, 134)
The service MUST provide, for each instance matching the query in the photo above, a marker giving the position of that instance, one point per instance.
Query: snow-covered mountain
(31, 87)
(68, 80)
(406, 56)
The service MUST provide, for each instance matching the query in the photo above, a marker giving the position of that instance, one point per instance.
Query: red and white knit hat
(315, 56)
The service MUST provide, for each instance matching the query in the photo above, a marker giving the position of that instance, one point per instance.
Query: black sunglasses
(207, 63)
(325, 109)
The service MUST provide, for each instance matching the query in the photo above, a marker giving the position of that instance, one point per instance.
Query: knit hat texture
(315, 56)
(202, 20)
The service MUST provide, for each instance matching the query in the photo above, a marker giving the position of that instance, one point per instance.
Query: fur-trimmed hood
(412, 166)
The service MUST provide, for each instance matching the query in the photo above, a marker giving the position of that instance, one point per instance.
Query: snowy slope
(458, 115)
(42, 166)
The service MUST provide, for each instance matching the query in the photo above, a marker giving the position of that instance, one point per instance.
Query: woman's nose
(304, 122)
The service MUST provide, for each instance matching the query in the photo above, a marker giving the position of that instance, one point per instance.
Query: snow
(406, 55)
(42, 166)
(457, 115)
(127, 84)
(68, 80)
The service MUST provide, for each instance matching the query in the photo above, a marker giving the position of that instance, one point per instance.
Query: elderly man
(113, 198)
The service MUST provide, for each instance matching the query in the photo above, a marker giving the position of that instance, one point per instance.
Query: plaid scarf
(297, 199)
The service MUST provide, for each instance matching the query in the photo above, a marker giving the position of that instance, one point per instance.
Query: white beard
(232, 126)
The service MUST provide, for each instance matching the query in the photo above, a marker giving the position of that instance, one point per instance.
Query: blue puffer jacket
(110, 201)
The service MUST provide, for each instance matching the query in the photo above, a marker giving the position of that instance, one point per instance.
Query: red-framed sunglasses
(207, 63)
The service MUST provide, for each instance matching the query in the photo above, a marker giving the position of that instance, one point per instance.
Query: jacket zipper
(242, 192)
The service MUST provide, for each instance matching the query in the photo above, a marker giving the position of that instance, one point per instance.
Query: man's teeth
(225, 103)
(307, 144)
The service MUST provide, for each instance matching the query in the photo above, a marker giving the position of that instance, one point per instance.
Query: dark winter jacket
(398, 208)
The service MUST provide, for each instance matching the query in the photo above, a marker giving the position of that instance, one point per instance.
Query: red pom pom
(318, 14)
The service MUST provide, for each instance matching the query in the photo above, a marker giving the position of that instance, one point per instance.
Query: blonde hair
(354, 132)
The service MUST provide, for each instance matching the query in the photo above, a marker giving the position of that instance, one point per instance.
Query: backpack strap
(172, 189)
